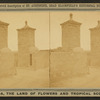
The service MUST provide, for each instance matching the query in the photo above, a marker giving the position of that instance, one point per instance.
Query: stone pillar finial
(71, 16)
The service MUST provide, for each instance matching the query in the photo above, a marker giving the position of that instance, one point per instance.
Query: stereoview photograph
(50, 49)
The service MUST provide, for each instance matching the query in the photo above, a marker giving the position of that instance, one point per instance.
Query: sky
(45, 27)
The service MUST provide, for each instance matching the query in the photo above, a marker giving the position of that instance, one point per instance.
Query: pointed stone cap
(71, 21)
(97, 27)
(26, 27)
(3, 23)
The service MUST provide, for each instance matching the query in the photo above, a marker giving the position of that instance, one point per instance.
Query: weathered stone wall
(95, 59)
(26, 39)
(68, 64)
(15, 59)
(3, 36)
(70, 36)
(42, 59)
(23, 59)
(7, 63)
(95, 47)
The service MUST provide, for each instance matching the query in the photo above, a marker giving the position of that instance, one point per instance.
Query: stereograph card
(49, 49)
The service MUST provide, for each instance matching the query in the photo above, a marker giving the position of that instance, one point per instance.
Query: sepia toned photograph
(24, 53)
(49, 49)
(74, 63)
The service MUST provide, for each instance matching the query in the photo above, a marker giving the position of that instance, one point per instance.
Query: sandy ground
(91, 80)
(26, 78)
